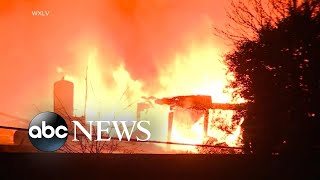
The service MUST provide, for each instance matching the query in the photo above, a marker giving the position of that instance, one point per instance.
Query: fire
(199, 71)
(193, 135)
(99, 100)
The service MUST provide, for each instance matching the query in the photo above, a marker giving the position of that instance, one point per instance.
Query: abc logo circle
(48, 131)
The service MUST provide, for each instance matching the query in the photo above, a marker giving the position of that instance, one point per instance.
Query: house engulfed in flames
(196, 107)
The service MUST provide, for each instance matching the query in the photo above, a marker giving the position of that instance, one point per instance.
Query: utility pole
(86, 95)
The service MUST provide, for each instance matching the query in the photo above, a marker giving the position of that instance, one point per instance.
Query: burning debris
(198, 107)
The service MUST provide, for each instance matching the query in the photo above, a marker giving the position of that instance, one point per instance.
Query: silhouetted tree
(276, 65)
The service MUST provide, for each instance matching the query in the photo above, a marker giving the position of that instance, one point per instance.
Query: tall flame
(199, 71)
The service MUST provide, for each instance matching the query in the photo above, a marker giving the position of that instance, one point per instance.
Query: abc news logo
(48, 131)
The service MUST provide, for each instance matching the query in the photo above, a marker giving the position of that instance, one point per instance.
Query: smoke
(142, 35)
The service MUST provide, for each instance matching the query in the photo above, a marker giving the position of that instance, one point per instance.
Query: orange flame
(198, 72)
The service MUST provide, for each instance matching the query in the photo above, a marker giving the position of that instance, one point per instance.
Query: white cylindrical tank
(63, 98)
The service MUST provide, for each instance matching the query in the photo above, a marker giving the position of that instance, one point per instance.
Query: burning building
(188, 110)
